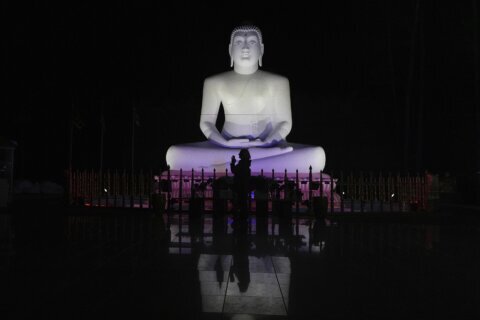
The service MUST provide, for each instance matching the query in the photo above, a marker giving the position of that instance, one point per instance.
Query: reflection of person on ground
(160, 235)
(219, 226)
(257, 116)
(219, 271)
(317, 233)
(261, 235)
(285, 231)
(195, 227)
(240, 269)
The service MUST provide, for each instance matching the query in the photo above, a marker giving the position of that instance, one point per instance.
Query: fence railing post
(167, 199)
(373, 192)
(132, 189)
(342, 191)
(140, 181)
(331, 194)
(297, 193)
(274, 196)
(424, 193)
(124, 188)
(92, 184)
(70, 186)
(213, 188)
(381, 190)
(353, 192)
(169, 185)
(192, 186)
(203, 186)
(180, 192)
(150, 188)
(361, 185)
(105, 187)
(320, 186)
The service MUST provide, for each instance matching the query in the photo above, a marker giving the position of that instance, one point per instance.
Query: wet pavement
(101, 264)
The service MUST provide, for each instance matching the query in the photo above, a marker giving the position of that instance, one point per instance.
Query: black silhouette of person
(241, 179)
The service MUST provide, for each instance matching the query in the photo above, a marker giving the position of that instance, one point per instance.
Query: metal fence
(111, 189)
(197, 190)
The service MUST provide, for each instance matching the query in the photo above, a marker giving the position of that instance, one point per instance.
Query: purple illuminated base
(181, 184)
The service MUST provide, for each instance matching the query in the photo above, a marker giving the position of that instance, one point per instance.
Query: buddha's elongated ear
(262, 49)
(230, 53)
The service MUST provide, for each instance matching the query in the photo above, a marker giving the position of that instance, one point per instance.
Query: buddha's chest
(246, 97)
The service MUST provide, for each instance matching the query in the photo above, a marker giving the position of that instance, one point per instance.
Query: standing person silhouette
(241, 180)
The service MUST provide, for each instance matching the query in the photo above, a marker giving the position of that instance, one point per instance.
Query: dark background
(381, 85)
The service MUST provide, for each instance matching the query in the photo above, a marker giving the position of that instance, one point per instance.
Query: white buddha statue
(257, 116)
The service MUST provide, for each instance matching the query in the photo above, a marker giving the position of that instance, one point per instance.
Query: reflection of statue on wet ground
(257, 116)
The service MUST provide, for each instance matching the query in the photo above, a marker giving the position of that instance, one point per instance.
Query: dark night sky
(352, 69)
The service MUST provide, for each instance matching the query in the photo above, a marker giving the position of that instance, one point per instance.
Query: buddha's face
(246, 49)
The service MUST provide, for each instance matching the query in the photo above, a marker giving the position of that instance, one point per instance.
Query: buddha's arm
(283, 113)
(209, 114)
(208, 118)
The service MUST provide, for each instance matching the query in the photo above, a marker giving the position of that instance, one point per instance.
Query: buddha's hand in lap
(243, 143)
(235, 143)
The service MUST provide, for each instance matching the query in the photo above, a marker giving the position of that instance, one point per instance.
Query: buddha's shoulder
(219, 78)
(226, 77)
(273, 76)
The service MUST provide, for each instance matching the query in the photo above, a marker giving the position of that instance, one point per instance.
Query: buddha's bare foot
(260, 153)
